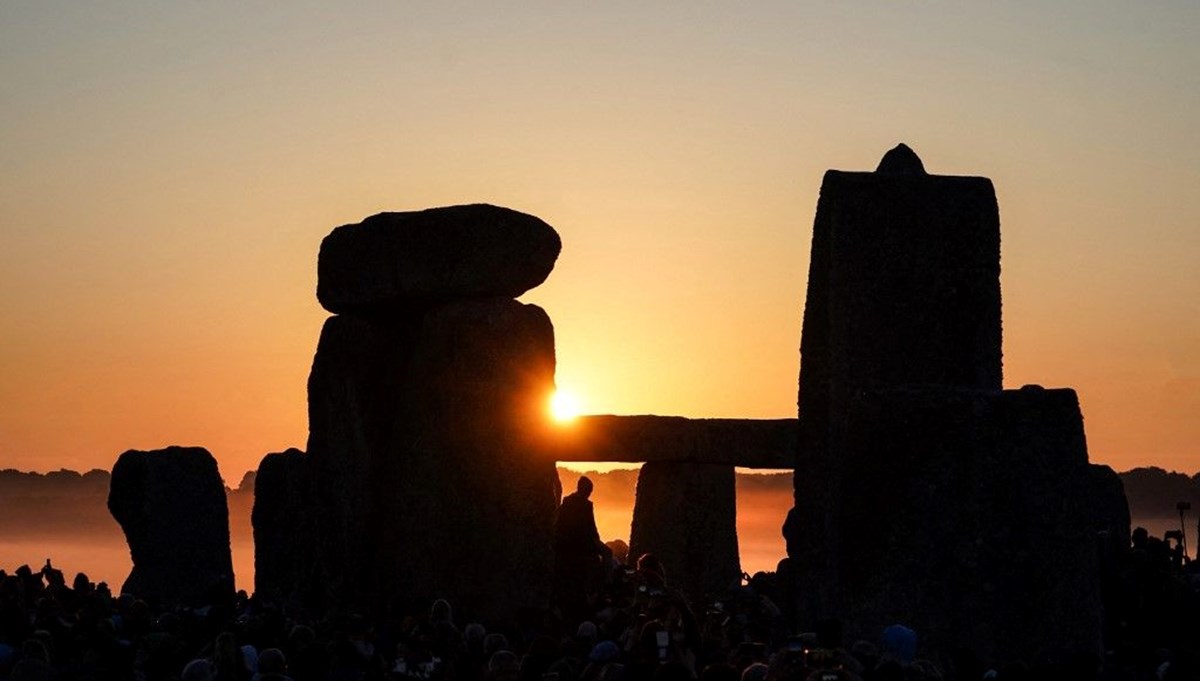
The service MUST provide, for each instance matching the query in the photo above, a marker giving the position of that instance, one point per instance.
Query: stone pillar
(426, 393)
(171, 505)
(465, 509)
(686, 515)
(357, 374)
(419, 431)
(283, 525)
(903, 291)
(967, 516)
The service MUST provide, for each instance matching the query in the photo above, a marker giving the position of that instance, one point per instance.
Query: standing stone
(686, 515)
(426, 403)
(903, 291)
(282, 524)
(171, 505)
(925, 494)
(903, 285)
(967, 517)
(355, 420)
(420, 432)
(482, 372)
(389, 260)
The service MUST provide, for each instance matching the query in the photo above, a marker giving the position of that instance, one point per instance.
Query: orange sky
(169, 170)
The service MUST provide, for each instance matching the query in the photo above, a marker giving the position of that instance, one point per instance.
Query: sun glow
(564, 406)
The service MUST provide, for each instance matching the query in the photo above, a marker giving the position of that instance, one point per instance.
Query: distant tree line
(1153, 492)
(68, 502)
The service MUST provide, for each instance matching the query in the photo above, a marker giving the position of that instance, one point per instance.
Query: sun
(564, 406)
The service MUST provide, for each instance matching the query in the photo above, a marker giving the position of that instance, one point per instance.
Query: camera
(1183, 506)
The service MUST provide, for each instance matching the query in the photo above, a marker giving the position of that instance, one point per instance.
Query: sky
(168, 170)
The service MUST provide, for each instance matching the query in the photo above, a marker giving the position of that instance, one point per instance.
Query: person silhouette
(577, 551)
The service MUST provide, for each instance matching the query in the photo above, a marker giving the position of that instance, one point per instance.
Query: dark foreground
(638, 627)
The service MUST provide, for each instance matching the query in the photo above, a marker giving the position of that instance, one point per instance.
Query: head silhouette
(584, 486)
(1140, 537)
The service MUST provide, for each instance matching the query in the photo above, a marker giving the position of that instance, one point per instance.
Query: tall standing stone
(472, 492)
(359, 368)
(926, 494)
(419, 447)
(282, 525)
(172, 507)
(903, 290)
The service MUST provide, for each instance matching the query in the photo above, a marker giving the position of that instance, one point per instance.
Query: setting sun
(564, 406)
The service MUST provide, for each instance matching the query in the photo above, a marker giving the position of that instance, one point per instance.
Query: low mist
(64, 516)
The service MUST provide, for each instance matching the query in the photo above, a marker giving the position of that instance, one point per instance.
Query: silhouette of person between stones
(577, 552)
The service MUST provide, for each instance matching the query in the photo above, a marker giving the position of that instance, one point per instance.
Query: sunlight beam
(564, 406)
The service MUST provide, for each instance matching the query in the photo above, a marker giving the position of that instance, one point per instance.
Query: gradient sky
(169, 169)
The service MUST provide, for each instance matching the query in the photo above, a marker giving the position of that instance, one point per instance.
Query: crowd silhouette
(626, 623)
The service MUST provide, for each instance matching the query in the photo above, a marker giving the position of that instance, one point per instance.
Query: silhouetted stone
(967, 516)
(391, 260)
(482, 373)
(171, 505)
(282, 522)
(420, 443)
(903, 285)
(353, 392)
(924, 493)
(749, 443)
(685, 514)
(903, 290)
(901, 159)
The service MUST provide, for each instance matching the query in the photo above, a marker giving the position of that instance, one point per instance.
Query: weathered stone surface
(925, 494)
(749, 443)
(391, 260)
(903, 285)
(421, 447)
(482, 371)
(282, 523)
(171, 505)
(903, 291)
(686, 515)
(353, 398)
(965, 514)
